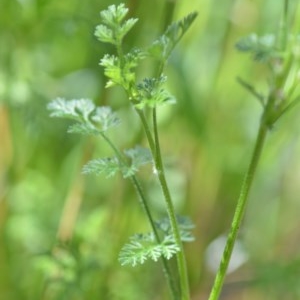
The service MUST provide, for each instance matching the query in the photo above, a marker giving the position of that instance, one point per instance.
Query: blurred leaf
(164, 45)
(110, 166)
(78, 109)
(91, 120)
(105, 118)
(262, 48)
(151, 93)
(114, 14)
(185, 225)
(106, 166)
(83, 128)
(139, 156)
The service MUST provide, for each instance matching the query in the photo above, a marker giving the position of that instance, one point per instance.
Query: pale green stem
(147, 130)
(181, 262)
(156, 153)
(269, 117)
(239, 212)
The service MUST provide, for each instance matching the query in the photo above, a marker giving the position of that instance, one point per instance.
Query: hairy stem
(239, 212)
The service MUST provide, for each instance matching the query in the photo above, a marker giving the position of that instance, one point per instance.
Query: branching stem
(144, 203)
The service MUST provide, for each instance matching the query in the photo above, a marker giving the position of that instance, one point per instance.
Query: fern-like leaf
(185, 227)
(84, 129)
(91, 120)
(164, 45)
(151, 93)
(104, 118)
(114, 28)
(133, 254)
(139, 156)
(77, 109)
(262, 48)
(143, 246)
(107, 166)
(122, 74)
(110, 166)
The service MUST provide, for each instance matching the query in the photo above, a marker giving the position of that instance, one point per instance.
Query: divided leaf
(106, 166)
(110, 166)
(114, 29)
(163, 46)
(77, 109)
(139, 156)
(83, 128)
(262, 48)
(121, 73)
(105, 118)
(185, 226)
(151, 93)
(142, 247)
(91, 120)
(113, 14)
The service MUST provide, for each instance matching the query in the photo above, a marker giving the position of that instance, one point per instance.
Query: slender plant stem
(269, 117)
(181, 262)
(137, 185)
(239, 212)
(147, 130)
(144, 203)
(156, 153)
(155, 150)
(166, 267)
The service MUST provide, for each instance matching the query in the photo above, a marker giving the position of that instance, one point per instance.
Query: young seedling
(165, 239)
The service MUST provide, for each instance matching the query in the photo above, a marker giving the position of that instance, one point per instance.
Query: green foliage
(164, 45)
(139, 156)
(143, 246)
(91, 119)
(79, 110)
(114, 29)
(283, 63)
(120, 69)
(263, 49)
(275, 51)
(120, 72)
(47, 50)
(105, 118)
(151, 93)
(185, 226)
(110, 166)
(60, 266)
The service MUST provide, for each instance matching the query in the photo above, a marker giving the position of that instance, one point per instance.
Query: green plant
(280, 54)
(165, 239)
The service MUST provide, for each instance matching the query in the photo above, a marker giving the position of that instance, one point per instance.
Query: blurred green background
(60, 231)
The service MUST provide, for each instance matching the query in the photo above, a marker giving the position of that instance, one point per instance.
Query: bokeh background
(60, 231)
